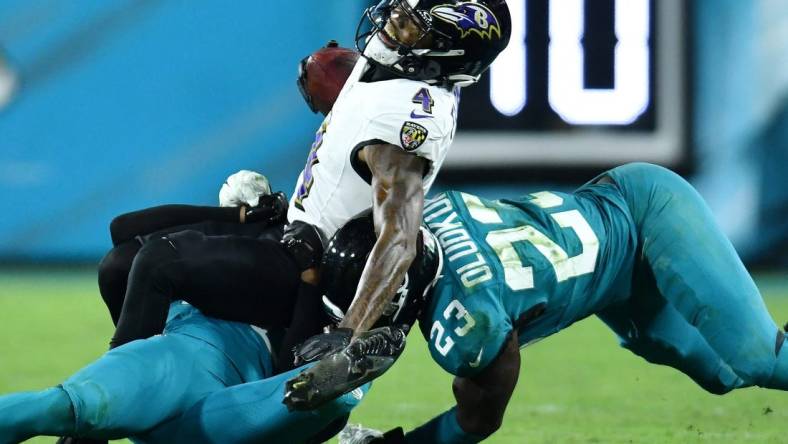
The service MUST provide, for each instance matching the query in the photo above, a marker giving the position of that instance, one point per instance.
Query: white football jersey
(414, 116)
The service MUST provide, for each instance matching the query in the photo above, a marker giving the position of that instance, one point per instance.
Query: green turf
(575, 387)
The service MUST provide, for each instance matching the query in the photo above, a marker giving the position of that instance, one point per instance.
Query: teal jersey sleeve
(465, 330)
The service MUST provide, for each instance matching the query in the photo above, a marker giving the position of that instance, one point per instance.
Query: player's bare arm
(482, 399)
(398, 202)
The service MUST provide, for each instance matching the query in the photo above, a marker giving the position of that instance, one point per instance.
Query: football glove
(322, 345)
(270, 208)
(243, 188)
(364, 359)
(304, 243)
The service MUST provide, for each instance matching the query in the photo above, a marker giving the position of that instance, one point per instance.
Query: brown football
(322, 75)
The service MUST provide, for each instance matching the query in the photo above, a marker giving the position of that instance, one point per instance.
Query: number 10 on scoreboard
(567, 96)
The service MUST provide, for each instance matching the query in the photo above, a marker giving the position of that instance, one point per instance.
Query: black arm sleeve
(309, 318)
(138, 223)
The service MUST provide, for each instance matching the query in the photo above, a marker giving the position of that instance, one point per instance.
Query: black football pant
(114, 268)
(246, 276)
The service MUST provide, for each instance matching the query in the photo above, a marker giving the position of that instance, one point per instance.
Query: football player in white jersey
(386, 138)
(390, 130)
(380, 147)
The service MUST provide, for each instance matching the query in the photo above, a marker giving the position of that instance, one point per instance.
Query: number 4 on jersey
(424, 99)
(307, 177)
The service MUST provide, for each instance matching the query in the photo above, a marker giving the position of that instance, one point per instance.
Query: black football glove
(270, 209)
(304, 243)
(364, 359)
(322, 345)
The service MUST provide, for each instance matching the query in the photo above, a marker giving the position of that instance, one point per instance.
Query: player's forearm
(398, 203)
(477, 415)
(138, 223)
(383, 274)
(481, 402)
(482, 398)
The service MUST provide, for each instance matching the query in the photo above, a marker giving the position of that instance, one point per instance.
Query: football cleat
(368, 356)
(356, 434)
(322, 345)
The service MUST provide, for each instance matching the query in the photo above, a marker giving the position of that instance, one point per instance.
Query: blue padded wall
(125, 105)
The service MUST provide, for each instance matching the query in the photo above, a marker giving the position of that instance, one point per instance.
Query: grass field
(575, 387)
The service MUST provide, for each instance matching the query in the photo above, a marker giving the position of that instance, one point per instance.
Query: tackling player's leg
(25, 415)
(252, 276)
(699, 273)
(113, 276)
(114, 268)
(650, 327)
(257, 414)
(135, 387)
(128, 390)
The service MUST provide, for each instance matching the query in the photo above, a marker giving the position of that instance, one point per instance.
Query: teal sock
(442, 429)
(28, 414)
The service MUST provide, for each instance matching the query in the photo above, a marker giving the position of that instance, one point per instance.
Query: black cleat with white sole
(368, 356)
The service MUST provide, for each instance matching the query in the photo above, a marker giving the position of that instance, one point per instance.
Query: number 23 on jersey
(517, 275)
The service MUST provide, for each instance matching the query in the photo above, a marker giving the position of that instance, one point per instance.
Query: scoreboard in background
(583, 83)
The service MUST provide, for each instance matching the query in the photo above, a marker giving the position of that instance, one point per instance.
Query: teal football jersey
(538, 263)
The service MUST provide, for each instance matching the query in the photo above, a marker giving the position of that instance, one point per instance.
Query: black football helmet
(462, 38)
(344, 260)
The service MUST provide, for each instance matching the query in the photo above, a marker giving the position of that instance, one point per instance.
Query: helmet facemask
(384, 46)
(455, 41)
